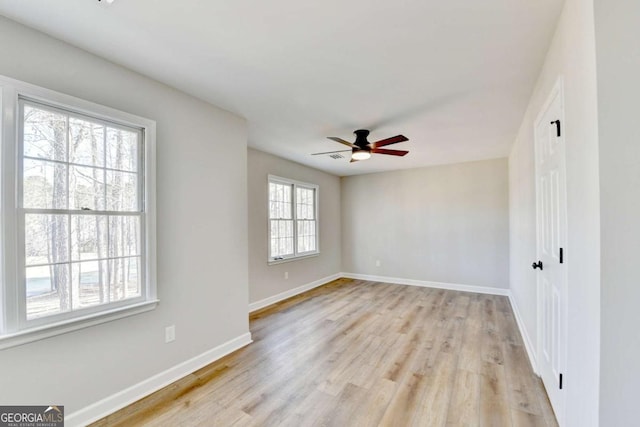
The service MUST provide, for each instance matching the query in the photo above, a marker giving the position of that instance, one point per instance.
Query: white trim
(289, 259)
(26, 336)
(119, 400)
(50, 97)
(294, 218)
(254, 306)
(13, 323)
(8, 217)
(528, 343)
(429, 284)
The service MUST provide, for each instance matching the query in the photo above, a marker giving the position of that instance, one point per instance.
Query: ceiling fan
(361, 149)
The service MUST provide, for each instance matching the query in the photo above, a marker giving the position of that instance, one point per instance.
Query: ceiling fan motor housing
(361, 140)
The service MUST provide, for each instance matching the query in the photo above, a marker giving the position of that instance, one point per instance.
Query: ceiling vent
(337, 156)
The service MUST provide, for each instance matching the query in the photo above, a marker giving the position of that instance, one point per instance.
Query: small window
(79, 229)
(293, 219)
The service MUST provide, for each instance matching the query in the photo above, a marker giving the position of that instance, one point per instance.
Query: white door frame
(557, 90)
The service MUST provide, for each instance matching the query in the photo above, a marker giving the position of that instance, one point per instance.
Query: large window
(78, 238)
(293, 222)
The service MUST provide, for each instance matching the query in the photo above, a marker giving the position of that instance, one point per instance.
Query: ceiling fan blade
(341, 141)
(331, 152)
(389, 141)
(390, 152)
(353, 160)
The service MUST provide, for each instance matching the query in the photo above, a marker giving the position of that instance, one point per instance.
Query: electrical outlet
(170, 334)
(378, 263)
(286, 275)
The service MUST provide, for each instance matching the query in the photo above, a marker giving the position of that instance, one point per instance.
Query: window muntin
(80, 206)
(293, 225)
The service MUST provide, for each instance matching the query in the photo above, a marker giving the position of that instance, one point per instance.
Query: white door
(550, 267)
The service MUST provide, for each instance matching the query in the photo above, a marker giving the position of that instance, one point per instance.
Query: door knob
(537, 265)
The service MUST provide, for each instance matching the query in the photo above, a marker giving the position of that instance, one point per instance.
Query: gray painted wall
(201, 240)
(572, 56)
(443, 224)
(618, 53)
(268, 280)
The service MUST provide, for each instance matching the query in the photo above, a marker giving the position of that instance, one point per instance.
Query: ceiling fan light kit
(362, 149)
(360, 154)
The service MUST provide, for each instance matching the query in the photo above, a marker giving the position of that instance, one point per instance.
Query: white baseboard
(292, 292)
(428, 284)
(119, 400)
(528, 344)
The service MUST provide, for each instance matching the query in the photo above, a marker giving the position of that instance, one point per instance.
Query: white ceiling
(454, 76)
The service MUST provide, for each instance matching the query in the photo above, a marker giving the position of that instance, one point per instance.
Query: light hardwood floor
(357, 353)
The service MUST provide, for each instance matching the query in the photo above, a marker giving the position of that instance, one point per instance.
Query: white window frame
(294, 184)
(15, 329)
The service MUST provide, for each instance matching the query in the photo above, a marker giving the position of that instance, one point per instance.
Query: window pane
(37, 238)
(44, 134)
(124, 278)
(88, 237)
(46, 239)
(305, 203)
(122, 149)
(86, 141)
(90, 286)
(44, 185)
(124, 236)
(280, 201)
(281, 238)
(122, 191)
(86, 188)
(306, 236)
(47, 289)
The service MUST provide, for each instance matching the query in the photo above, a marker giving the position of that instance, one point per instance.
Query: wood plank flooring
(357, 353)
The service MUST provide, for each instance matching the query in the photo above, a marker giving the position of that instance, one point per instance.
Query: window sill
(30, 335)
(297, 258)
